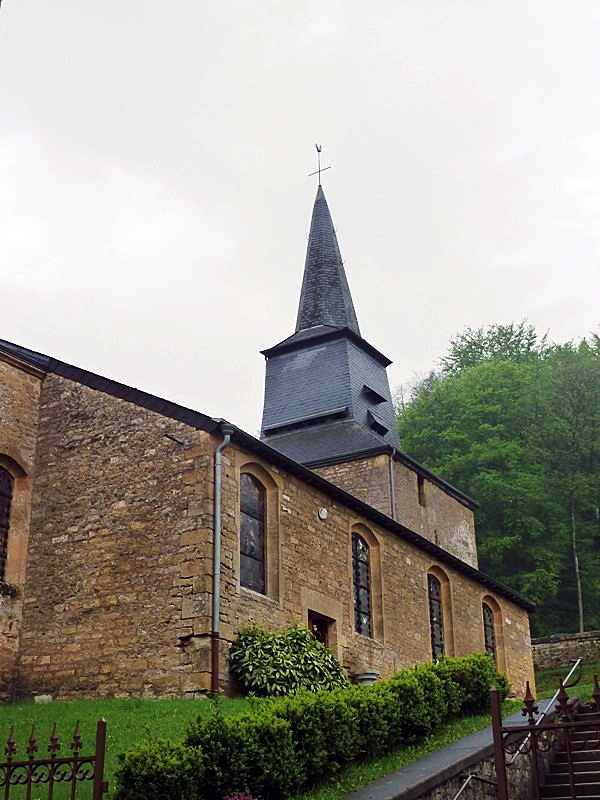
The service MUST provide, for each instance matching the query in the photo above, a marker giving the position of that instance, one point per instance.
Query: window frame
(447, 617)
(360, 587)
(489, 631)
(436, 616)
(249, 513)
(271, 483)
(497, 618)
(6, 503)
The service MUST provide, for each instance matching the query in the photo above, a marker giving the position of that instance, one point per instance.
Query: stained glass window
(362, 588)
(488, 631)
(252, 533)
(436, 619)
(6, 491)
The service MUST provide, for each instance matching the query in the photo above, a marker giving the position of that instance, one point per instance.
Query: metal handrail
(471, 776)
(576, 663)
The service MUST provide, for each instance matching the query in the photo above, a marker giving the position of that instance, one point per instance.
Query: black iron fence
(25, 775)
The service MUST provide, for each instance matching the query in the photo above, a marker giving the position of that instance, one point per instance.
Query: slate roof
(323, 333)
(200, 421)
(346, 438)
(325, 296)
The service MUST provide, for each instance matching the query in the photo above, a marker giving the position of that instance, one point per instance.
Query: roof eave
(288, 346)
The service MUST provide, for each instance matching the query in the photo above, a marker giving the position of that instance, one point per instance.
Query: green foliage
(292, 743)
(324, 729)
(515, 423)
(160, 770)
(474, 675)
(248, 753)
(284, 662)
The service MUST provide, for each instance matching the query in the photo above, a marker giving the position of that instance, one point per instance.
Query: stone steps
(586, 764)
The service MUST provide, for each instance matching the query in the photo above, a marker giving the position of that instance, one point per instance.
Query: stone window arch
(12, 476)
(440, 613)
(366, 583)
(6, 495)
(258, 561)
(493, 631)
(252, 533)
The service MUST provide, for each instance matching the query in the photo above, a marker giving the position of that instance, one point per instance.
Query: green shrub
(373, 710)
(284, 662)
(324, 729)
(160, 770)
(435, 692)
(289, 744)
(406, 709)
(475, 675)
(246, 753)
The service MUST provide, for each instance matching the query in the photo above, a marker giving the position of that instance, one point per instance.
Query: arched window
(489, 633)
(362, 586)
(436, 618)
(252, 533)
(6, 493)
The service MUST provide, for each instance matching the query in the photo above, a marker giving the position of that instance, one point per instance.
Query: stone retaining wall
(558, 651)
(518, 776)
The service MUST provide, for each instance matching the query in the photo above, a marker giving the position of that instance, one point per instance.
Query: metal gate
(564, 753)
(55, 774)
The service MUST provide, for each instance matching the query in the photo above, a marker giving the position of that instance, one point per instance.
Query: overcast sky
(155, 199)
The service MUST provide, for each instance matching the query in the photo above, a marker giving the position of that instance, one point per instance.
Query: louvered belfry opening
(436, 618)
(252, 533)
(6, 493)
(362, 585)
(488, 631)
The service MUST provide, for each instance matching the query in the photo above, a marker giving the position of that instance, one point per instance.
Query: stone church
(138, 536)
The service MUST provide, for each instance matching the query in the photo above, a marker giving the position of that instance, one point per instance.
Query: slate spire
(325, 296)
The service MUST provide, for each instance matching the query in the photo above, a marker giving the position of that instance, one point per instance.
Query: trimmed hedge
(292, 743)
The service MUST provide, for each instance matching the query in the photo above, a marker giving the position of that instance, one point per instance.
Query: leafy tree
(514, 422)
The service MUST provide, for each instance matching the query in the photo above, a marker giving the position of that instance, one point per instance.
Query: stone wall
(117, 520)
(365, 478)
(19, 400)
(315, 574)
(421, 505)
(558, 651)
(118, 592)
(518, 777)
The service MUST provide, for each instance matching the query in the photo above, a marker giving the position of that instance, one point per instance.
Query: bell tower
(327, 394)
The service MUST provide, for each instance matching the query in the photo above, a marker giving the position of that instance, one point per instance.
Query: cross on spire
(319, 170)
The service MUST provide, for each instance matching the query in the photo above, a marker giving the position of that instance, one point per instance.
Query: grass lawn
(547, 680)
(130, 720)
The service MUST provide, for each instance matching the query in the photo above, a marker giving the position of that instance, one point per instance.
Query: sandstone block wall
(118, 589)
(19, 400)
(560, 650)
(118, 551)
(365, 478)
(315, 565)
(421, 505)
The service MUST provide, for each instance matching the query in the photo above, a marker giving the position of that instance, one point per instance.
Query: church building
(138, 536)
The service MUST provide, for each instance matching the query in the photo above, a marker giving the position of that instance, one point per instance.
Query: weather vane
(319, 170)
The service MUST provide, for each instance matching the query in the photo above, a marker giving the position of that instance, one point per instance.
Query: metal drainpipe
(393, 483)
(227, 431)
